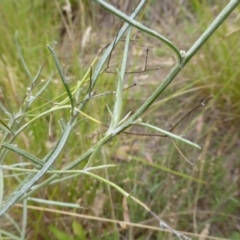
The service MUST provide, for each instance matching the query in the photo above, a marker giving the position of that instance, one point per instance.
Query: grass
(185, 204)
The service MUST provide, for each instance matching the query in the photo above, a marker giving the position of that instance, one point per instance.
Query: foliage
(40, 128)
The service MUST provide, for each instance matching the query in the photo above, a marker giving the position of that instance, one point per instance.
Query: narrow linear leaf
(122, 191)
(21, 56)
(87, 116)
(169, 134)
(118, 109)
(125, 54)
(13, 222)
(54, 203)
(118, 104)
(72, 172)
(9, 235)
(39, 116)
(25, 154)
(125, 118)
(55, 176)
(108, 51)
(5, 127)
(94, 155)
(48, 162)
(31, 100)
(140, 26)
(62, 77)
(118, 97)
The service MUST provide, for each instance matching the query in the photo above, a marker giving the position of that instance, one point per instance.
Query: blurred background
(160, 172)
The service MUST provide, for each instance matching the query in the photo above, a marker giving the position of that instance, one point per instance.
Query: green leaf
(235, 236)
(118, 98)
(25, 154)
(78, 230)
(62, 77)
(169, 134)
(5, 127)
(60, 235)
(118, 103)
(21, 56)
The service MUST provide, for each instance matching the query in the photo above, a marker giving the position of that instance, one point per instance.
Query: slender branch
(210, 30)
(140, 26)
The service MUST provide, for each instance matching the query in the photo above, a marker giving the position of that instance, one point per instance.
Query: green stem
(138, 25)
(182, 61)
(210, 30)
(150, 100)
(49, 161)
(108, 51)
(96, 73)
(162, 86)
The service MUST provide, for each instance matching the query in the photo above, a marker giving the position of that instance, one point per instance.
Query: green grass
(222, 72)
(178, 199)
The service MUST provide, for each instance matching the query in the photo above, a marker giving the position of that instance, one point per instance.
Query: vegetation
(191, 190)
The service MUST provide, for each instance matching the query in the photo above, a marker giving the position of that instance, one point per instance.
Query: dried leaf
(126, 217)
(149, 158)
(199, 125)
(98, 204)
(205, 232)
(86, 37)
(122, 153)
